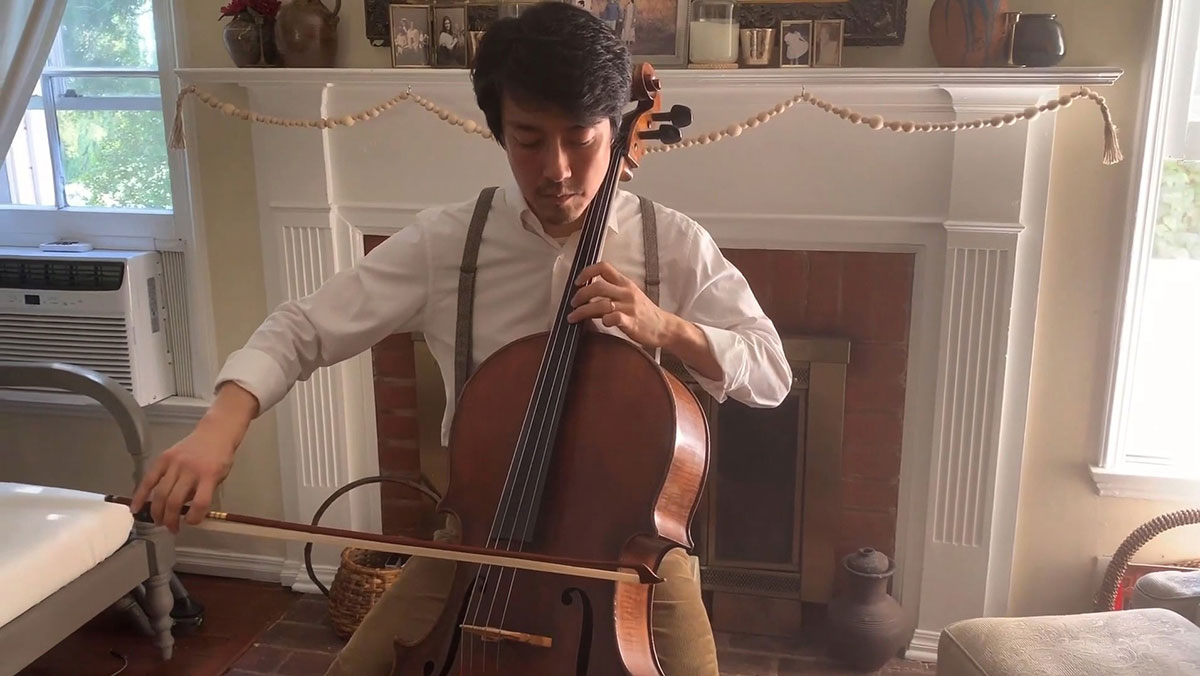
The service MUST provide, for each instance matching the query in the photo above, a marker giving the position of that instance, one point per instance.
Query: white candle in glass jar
(713, 41)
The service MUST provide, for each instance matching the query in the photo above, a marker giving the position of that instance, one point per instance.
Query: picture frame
(869, 23)
(378, 28)
(448, 36)
(508, 9)
(656, 31)
(829, 38)
(408, 29)
(795, 43)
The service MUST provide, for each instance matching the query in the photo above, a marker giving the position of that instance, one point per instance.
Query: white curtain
(27, 29)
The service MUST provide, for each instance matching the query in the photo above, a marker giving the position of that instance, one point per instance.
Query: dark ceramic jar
(1037, 40)
(867, 627)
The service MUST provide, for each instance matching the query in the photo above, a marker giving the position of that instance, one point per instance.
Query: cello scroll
(648, 122)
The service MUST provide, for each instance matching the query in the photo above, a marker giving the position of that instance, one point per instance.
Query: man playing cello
(552, 85)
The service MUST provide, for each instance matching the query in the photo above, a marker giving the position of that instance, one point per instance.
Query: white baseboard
(295, 576)
(258, 567)
(228, 564)
(923, 647)
(305, 585)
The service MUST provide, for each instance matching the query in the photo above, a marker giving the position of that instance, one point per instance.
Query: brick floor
(740, 655)
(300, 643)
(303, 643)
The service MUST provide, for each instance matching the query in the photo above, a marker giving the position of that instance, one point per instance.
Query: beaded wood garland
(1112, 150)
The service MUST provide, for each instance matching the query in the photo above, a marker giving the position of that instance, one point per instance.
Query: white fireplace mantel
(970, 207)
(676, 77)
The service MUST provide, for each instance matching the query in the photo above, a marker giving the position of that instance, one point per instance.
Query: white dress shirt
(410, 283)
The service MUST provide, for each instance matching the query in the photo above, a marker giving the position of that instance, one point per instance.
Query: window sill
(1145, 485)
(172, 410)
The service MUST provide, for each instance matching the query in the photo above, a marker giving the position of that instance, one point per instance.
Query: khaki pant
(408, 609)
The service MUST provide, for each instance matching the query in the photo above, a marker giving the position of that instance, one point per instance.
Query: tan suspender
(650, 246)
(466, 277)
(466, 290)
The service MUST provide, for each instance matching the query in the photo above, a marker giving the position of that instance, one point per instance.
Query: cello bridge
(493, 635)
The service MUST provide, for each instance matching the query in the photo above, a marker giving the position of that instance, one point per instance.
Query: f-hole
(583, 657)
(456, 635)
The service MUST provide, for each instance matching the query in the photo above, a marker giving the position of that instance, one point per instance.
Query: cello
(572, 445)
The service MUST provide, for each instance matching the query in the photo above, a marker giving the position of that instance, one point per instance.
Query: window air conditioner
(103, 310)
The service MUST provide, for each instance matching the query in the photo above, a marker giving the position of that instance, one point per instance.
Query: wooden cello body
(577, 445)
(623, 486)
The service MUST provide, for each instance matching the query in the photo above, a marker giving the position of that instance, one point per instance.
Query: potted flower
(250, 35)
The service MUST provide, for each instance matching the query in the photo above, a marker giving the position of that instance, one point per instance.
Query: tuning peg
(665, 133)
(680, 116)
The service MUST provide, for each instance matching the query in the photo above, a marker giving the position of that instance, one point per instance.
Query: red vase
(968, 33)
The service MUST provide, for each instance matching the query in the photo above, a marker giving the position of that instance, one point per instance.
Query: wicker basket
(363, 575)
(361, 579)
(1106, 596)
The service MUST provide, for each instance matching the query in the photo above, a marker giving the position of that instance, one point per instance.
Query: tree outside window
(93, 135)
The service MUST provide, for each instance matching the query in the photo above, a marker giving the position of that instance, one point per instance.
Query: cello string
(592, 232)
(482, 586)
(560, 356)
(563, 332)
(515, 463)
(540, 447)
(535, 419)
(520, 457)
(532, 412)
(590, 243)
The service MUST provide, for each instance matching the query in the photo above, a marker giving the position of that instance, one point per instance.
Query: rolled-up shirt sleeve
(716, 297)
(384, 293)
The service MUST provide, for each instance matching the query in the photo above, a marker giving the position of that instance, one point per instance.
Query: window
(90, 162)
(94, 137)
(1153, 440)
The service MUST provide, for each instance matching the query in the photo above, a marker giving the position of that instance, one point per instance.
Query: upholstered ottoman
(1177, 590)
(1149, 642)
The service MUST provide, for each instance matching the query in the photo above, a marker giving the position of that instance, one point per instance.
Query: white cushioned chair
(68, 554)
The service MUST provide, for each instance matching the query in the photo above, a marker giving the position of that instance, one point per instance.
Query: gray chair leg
(160, 601)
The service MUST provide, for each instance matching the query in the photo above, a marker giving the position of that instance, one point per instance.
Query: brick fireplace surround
(924, 251)
(864, 297)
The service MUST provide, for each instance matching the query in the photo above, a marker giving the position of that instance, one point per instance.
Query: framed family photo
(450, 36)
(828, 38)
(795, 43)
(868, 23)
(409, 31)
(655, 31)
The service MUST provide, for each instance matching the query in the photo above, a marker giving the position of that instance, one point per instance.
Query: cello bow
(253, 526)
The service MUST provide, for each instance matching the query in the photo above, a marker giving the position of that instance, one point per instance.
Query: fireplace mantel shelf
(678, 77)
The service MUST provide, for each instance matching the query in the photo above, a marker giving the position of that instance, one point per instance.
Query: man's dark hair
(557, 54)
